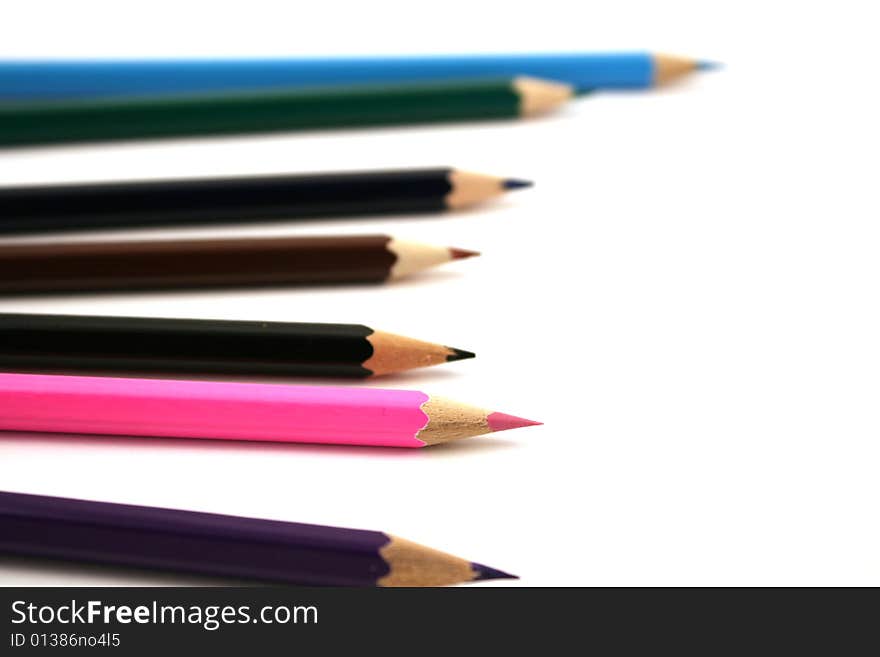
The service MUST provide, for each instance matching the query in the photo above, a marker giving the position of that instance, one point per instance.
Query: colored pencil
(239, 411)
(142, 344)
(223, 546)
(151, 117)
(210, 200)
(52, 79)
(80, 266)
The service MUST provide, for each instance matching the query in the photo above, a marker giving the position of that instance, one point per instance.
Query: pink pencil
(239, 411)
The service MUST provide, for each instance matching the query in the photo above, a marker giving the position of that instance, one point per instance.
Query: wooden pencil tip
(668, 68)
(503, 422)
(459, 354)
(517, 183)
(540, 96)
(460, 254)
(486, 573)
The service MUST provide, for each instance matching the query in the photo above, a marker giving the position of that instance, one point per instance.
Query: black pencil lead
(459, 354)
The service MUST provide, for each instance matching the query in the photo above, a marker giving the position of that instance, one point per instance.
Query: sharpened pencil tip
(584, 91)
(706, 65)
(459, 354)
(503, 422)
(517, 183)
(485, 572)
(461, 254)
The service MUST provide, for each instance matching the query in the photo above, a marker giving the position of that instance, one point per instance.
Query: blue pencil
(58, 79)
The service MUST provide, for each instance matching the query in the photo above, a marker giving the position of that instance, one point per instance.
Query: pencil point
(485, 572)
(460, 254)
(706, 65)
(517, 183)
(459, 354)
(503, 422)
(584, 91)
(669, 68)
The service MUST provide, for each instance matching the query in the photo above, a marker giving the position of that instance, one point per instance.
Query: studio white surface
(687, 298)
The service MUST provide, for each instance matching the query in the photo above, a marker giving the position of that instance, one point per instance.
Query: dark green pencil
(279, 110)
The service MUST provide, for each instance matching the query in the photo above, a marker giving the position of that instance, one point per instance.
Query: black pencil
(211, 200)
(225, 546)
(140, 344)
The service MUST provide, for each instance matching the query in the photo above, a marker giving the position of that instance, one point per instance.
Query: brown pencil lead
(460, 254)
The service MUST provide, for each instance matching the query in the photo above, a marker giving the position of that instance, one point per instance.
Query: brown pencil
(41, 267)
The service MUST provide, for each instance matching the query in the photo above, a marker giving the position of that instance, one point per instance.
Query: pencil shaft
(47, 267)
(213, 410)
(163, 202)
(190, 542)
(268, 111)
(90, 78)
(136, 344)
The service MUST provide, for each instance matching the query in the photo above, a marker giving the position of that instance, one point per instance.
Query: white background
(688, 297)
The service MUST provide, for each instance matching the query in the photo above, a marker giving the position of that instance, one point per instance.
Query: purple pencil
(226, 546)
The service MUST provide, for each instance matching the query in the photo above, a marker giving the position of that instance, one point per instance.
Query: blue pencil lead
(706, 65)
(516, 183)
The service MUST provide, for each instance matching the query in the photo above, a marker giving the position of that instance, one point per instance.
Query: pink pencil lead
(503, 422)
